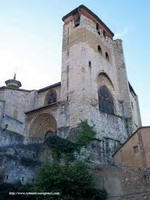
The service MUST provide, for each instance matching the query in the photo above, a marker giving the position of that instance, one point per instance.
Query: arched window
(99, 49)
(105, 100)
(76, 20)
(107, 56)
(51, 97)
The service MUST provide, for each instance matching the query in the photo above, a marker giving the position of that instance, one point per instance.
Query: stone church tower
(94, 78)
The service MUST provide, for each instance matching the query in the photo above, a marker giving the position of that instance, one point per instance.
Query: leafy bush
(73, 182)
(85, 134)
(61, 147)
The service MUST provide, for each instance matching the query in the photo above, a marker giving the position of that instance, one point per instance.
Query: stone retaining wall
(135, 196)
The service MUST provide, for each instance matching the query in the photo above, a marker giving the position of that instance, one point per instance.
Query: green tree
(73, 182)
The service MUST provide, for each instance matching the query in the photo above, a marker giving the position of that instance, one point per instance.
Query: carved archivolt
(42, 124)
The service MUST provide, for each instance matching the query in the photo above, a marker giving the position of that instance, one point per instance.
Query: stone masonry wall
(20, 162)
(16, 103)
(9, 138)
(123, 183)
(134, 196)
(135, 111)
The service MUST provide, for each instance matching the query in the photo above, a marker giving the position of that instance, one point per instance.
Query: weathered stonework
(135, 151)
(123, 183)
(91, 59)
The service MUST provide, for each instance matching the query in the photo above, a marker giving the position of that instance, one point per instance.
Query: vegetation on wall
(72, 179)
(85, 135)
(66, 175)
(64, 148)
(61, 148)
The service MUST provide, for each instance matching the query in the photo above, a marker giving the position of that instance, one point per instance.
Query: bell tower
(94, 80)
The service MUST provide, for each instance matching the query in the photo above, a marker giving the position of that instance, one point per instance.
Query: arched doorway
(42, 125)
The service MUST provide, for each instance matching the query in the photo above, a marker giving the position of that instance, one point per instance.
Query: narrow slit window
(97, 28)
(99, 49)
(77, 21)
(89, 63)
(104, 33)
(107, 56)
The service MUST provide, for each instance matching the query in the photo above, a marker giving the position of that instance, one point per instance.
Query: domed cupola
(13, 83)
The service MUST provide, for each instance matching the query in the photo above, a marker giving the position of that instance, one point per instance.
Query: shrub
(85, 134)
(73, 182)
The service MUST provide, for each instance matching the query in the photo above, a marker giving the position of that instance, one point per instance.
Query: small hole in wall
(6, 177)
(135, 149)
(22, 178)
(89, 63)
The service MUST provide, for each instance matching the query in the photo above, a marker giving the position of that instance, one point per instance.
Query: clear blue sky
(31, 33)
